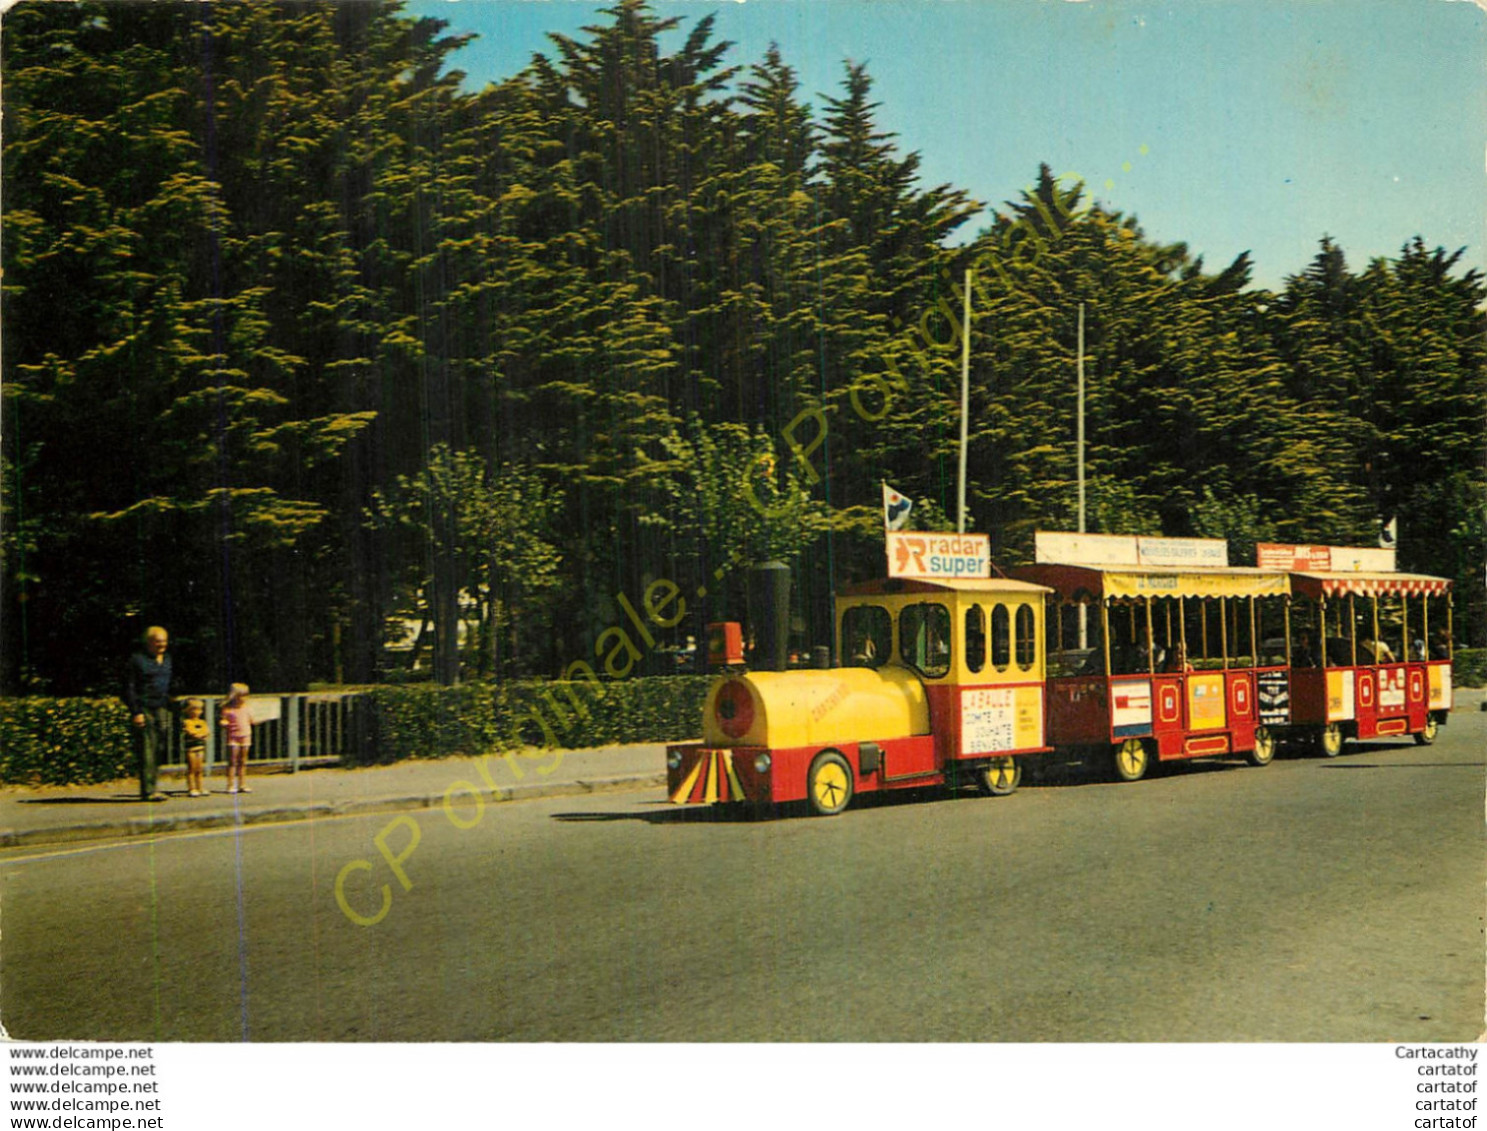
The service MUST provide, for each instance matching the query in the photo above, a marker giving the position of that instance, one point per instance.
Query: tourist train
(1121, 652)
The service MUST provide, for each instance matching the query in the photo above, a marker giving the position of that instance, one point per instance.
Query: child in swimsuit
(238, 720)
(194, 739)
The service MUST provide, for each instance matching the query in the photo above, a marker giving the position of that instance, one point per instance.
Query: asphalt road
(1307, 901)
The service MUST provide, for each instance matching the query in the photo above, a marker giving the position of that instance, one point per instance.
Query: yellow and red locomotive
(944, 681)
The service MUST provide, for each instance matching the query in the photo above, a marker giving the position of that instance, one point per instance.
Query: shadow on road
(1061, 775)
(112, 799)
(664, 813)
(1403, 765)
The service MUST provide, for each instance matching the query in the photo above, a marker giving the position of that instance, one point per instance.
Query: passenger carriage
(1152, 664)
(941, 681)
(1371, 657)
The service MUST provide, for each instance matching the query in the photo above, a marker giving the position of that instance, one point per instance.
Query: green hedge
(1469, 667)
(64, 741)
(428, 721)
(85, 741)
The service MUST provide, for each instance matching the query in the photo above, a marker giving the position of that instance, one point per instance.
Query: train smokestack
(769, 615)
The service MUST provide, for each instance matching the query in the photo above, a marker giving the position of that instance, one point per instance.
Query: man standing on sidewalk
(147, 692)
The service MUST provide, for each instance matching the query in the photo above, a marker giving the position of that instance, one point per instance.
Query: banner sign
(1130, 707)
(1063, 548)
(1349, 559)
(1323, 559)
(922, 556)
(1000, 718)
(1274, 692)
(1391, 688)
(1194, 583)
(1210, 553)
(1205, 701)
(1084, 549)
(1300, 559)
(1440, 687)
(987, 720)
(1340, 695)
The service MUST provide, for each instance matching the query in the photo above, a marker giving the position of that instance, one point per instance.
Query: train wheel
(1264, 749)
(1427, 736)
(1131, 760)
(829, 783)
(1330, 741)
(999, 777)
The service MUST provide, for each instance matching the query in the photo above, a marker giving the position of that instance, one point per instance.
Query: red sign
(1302, 559)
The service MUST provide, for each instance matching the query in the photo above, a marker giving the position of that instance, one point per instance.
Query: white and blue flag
(896, 508)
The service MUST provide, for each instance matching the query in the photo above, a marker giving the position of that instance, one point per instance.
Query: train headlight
(673, 759)
(761, 764)
(734, 708)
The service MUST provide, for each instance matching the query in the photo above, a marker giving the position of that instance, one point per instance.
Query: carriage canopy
(1320, 585)
(1078, 582)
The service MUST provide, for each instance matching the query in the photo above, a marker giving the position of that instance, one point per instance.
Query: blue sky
(1230, 124)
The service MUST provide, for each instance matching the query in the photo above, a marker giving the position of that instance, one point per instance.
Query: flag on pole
(1389, 534)
(896, 508)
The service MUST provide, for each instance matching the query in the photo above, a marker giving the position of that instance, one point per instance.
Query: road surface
(1306, 901)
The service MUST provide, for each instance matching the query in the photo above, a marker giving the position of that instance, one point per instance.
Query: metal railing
(288, 730)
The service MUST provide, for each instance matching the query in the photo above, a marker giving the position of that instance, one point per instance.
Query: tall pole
(1081, 418)
(965, 397)
(1079, 456)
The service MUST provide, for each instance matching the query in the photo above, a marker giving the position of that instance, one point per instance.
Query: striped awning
(1316, 585)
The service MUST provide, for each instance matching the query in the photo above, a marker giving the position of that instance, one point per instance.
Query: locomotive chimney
(769, 615)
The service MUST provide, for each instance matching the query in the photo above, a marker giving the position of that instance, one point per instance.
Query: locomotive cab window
(867, 636)
(1026, 639)
(975, 638)
(1001, 637)
(924, 639)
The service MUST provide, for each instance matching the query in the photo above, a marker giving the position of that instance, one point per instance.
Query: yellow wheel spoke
(830, 782)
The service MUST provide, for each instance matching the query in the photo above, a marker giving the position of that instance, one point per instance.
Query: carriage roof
(898, 586)
(1096, 582)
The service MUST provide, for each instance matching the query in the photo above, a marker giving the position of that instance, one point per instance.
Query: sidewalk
(59, 815)
(33, 817)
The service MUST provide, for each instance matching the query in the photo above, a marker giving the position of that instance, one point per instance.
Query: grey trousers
(150, 744)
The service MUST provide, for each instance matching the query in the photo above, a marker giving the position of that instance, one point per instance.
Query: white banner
(1064, 548)
(1356, 559)
(1183, 552)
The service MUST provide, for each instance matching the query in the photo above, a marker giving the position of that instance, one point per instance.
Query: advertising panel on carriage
(999, 720)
